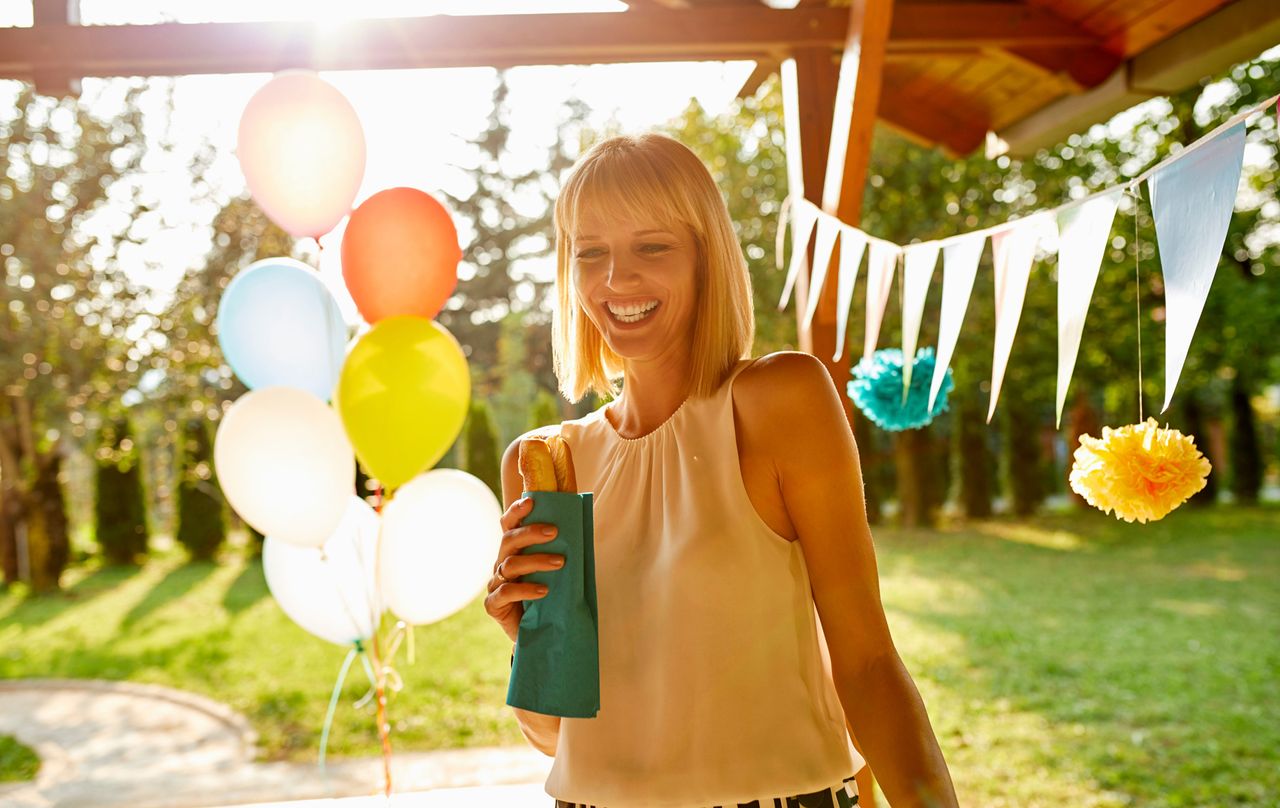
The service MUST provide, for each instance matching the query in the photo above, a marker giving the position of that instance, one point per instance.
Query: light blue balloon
(279, 324)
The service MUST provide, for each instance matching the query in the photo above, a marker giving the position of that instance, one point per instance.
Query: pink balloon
(302, 151)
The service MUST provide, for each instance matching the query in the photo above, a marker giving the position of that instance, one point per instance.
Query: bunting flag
(1083, 238)
(824, 245)
(803, 217)
(1014, 250)
(852, 245)
(1191, 200)
(880, 266)
(959, 268)
(918, 263)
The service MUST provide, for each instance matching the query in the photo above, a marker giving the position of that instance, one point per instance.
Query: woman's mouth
(633, 315)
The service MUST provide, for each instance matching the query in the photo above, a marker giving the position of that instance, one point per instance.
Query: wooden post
(830, 112)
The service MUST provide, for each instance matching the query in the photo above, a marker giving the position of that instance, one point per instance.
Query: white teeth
(632, 310)
(633, 318)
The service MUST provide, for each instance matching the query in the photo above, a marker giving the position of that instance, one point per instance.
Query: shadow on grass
(249, 587)
(34, 610)
(1150, 649)
(173, 586)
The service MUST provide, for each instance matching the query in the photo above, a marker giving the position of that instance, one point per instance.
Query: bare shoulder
(790, 405)
(781, 381)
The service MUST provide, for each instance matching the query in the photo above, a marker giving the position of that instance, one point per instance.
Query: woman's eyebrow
(636, 233)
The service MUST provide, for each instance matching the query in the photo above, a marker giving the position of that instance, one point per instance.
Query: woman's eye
(654, 248)
(588, 254)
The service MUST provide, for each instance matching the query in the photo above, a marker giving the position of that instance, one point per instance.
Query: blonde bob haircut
(653, 179)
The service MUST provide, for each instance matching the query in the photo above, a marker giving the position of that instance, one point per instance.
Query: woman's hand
(505, 602)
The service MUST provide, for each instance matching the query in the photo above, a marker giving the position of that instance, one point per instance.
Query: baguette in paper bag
(556, 667)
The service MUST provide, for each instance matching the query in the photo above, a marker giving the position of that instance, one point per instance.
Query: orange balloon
(400, 255)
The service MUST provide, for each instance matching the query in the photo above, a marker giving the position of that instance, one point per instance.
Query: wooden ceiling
(953, 69)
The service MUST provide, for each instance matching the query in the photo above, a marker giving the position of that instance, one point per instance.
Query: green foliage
(482, 451)
(201, 521)
(120, 511)
(544, 412)
(18, 762)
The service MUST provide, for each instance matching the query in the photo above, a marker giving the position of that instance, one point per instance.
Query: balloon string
(358, 650)
(1137, 292)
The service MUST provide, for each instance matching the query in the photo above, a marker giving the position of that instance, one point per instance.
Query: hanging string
(1137, 287)
(357, 650)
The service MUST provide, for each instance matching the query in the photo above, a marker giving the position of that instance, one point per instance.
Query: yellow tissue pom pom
(1140, 471)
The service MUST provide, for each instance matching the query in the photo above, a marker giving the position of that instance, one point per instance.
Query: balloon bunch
(396, 396)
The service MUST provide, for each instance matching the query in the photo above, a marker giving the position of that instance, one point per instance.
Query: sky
(416, 122)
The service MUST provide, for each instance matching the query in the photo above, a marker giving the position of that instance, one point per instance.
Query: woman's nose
(622, 268)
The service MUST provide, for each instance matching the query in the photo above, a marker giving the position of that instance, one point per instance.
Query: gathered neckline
(670, 418)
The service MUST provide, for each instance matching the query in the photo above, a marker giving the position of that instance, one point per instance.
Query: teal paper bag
(556, 670)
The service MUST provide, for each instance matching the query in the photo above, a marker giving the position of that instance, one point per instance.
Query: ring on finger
(498, 572)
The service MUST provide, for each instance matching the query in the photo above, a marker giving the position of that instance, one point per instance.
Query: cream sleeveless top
(712, 687)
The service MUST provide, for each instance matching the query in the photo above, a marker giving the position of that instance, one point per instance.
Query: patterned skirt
(841, 795)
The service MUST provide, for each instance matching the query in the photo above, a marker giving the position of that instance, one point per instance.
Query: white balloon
(440, 537)
(330, 591)
(285, 464)
(302, 150)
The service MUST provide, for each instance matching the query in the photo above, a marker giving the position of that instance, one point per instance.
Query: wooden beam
(55, 81)
(759, 75)
(712, 33)
(958, 131)
(1237, 32)
(646, 33)
(856, 104)
(945, 25)
(1076, 69)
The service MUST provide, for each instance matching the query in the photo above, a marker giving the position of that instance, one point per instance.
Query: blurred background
(1066, 658)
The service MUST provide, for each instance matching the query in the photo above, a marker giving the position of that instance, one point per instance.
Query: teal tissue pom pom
(877, 390)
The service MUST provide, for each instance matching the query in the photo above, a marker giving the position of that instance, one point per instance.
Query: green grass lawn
(1072, 660)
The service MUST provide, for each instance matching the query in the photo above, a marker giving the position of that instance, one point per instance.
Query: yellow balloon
(403, 395)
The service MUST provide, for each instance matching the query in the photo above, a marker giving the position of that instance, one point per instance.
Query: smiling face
(637, 282)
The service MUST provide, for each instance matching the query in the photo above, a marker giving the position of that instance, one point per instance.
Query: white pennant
(1191, 200)
(1014, 250)
(824, 245)
(959, 268)
(852, 245)
(880, 266)
(803, 217)
(1083, 230)
(918, 263)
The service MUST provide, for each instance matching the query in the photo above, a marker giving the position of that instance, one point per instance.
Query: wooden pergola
(1014, 75)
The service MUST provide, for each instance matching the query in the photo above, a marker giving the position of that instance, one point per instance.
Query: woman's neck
(651, 392)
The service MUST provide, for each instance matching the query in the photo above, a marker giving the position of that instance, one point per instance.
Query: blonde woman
(729, 517)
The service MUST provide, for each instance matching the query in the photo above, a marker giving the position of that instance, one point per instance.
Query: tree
(482, 452)
(68, 342)
(508, 217)
(201, 525)
(119, 509)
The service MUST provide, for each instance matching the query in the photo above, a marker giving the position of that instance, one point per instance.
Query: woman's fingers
(513, 541)
(518, 510)
(512, 567)
(513, 592)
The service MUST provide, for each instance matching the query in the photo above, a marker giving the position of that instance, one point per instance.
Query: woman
(725, 514)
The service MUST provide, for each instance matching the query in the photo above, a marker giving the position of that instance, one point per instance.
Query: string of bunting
(1192, 195)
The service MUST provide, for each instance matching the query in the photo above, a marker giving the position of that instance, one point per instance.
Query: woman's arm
(542, 731)
(817, 464)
